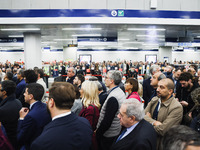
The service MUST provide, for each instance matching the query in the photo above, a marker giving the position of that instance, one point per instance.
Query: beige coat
(170, 113)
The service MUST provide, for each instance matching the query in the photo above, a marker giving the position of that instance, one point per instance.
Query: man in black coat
(66, 131)
(71, 74)
(138, 133)
(9, 110)
(148, 90)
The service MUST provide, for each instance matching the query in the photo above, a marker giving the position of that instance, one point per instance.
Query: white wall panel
(6, 4)
(189, 5)
(185, 56)
(21, 4)
(116, 4)
(11, 56)
(40, 4)
(117, 55)
(147, 4)
(160, 5)
(59, 4)
(105, 55)
(135, 4)
(87, 4)
(51, 56)
(171, 4)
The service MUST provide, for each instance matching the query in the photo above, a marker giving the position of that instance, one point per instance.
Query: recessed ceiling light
(21, 29)
(64, 39)
(123, 39)
(81, 28)
(48, 42)
(86, 35)
(134, 42)
(146, 44)
(144, 29)
(15, 36)
(150, 36)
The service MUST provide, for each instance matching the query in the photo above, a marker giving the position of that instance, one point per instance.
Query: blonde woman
(91, 105)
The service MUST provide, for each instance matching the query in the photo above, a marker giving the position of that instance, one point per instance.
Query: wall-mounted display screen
(151, 58)
(85, 58)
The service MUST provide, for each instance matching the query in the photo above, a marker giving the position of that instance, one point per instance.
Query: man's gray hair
(116, 76)
(21, 72)
(73, 69)
(154, 68)
(134, 108)
(161, 76)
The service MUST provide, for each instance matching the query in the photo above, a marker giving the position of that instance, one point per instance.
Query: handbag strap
(93, 114)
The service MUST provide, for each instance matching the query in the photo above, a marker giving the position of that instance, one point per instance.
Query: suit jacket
(69, 132)
(170, 113)
(147, 90)
(70, 80)
(142, 137)
(9, 115)
(33, 124)
(20, 87)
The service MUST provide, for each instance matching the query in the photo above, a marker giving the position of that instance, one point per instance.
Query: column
(69, 53)
(32, 50)
(165, 53)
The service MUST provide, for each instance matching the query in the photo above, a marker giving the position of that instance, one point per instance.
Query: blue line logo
(114, 13)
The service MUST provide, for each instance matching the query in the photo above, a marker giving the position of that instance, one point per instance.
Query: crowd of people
(161, 113)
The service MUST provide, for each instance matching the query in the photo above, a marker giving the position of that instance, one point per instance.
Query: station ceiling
(128, 36)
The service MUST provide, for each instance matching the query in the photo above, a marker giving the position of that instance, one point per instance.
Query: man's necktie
(155, 113)
(121, 135)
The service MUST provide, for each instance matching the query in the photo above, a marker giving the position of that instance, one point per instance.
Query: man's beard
(187, 87)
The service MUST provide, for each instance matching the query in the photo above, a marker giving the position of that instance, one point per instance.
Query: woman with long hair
(91, 105)
(131, 86)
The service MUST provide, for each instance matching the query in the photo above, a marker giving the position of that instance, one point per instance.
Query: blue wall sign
(98, 13)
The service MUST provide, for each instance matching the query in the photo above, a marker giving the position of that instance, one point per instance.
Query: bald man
(164, 111)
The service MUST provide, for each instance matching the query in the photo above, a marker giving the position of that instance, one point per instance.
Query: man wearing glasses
(9, 110)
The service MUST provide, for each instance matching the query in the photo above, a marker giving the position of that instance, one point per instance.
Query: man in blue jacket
(32, 120)
(66, 131)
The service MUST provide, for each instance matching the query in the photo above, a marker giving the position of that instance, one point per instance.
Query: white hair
(134, 108)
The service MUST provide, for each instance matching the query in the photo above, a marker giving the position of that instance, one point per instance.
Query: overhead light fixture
(49, 42)
(123, 39)
(69, 29)
(89, 35)
(161, 36)
(64, 39)
(134, 42)
(15, 36)
(20, 29)
(145, 29)
(146, 44)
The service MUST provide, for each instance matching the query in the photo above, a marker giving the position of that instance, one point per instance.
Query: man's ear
(132, 118)
(4, 92)
(31, 95)
(51, 102)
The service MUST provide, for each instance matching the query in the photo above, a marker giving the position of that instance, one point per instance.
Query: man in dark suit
(66, 130)
(71, 74)
(138, 133)
(148, 90)
(9, 110)
(32, 122)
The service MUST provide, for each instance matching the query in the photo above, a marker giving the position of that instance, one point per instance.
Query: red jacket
(89, 114)
(134, 95)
